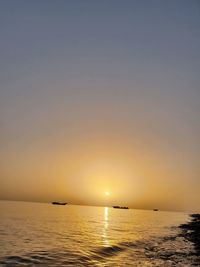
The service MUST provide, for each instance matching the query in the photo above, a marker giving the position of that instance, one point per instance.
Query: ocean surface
(37, 234)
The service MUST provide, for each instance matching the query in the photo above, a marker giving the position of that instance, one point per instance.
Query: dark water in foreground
(34, 234)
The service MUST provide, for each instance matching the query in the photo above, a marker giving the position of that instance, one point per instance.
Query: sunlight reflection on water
(105, 228)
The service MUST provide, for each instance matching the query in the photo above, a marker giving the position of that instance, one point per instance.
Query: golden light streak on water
(106, 242)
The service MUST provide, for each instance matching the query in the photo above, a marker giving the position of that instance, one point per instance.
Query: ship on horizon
(58, 203)
(118, 207)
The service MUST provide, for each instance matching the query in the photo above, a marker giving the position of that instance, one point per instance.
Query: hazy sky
(100, 96)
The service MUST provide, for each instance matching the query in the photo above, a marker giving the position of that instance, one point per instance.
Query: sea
(42, 234)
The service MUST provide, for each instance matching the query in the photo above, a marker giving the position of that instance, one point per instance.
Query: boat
(155, 209)
(58, 203)
(118, 207)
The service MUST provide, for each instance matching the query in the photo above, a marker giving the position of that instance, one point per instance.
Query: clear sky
(100, 96)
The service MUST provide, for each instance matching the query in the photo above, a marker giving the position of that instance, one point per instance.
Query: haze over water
(34, 234)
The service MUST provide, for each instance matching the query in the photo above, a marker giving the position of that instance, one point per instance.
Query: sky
(100, 96)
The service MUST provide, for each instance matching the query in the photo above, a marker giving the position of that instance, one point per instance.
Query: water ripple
(37, 235)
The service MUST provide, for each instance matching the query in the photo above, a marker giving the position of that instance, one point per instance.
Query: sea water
(42, 234)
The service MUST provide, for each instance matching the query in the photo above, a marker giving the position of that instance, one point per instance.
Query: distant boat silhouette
(155, 209)
(58, 203)
(118, 207)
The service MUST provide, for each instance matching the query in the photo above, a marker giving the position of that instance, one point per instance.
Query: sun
(107, 193)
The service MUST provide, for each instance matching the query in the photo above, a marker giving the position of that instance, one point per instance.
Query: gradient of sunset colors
(101, 96)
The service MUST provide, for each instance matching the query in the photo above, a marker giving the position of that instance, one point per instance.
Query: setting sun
(107, 193)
